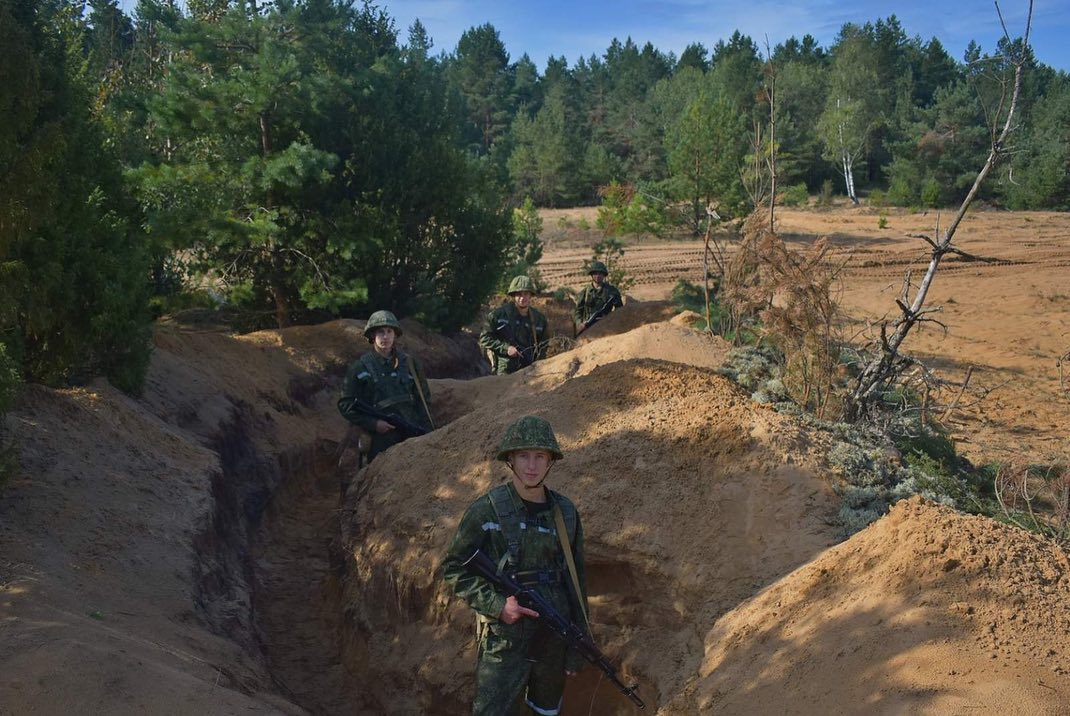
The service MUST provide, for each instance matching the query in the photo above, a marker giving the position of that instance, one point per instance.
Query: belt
(538, 576)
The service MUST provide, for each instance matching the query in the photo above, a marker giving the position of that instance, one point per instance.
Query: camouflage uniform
(505, 327)
(524, 662)
(596, 299)
(386, 385)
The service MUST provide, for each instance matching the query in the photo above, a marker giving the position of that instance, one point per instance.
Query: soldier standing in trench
(516, 333)
(598, 299)
(385, 390)
(527, 528)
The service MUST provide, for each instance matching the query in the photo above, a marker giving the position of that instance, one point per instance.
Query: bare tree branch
(885, 367)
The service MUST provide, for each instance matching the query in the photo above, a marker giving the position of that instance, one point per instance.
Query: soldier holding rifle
(515, 334)
(518, 525)
(597, 300)
(385, 391)
(517, 559)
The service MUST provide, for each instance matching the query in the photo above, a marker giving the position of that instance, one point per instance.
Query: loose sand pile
(926, 611)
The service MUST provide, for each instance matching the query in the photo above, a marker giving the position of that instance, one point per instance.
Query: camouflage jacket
(592, 300)
(386, 385)
(505, 327)
(539, 549)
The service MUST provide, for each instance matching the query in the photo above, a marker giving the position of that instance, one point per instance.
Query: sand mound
(97, 577)
(926, 611)
(691, 497)
(631, 315)
(658, 341)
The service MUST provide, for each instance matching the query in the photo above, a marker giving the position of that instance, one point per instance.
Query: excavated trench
(339, 602)
(297, 600)
(270, 565)
(272, 574)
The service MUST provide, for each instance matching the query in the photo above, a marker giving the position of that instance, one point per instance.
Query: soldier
(515, 334)
(535, 532)
(385, 391)
(596, 300)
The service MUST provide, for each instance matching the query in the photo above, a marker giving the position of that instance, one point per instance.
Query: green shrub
(902, 192)
(9, 380)
(825, 197)
(795, 195)
(627, 211)
(564, 294)
(757, 369)
(9, 386)
(931, 194)
(687, 296)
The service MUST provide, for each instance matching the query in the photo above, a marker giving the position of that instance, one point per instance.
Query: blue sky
(576, 28)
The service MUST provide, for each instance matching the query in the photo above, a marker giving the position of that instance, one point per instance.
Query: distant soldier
(385, 391)
(515, 334)
(597, 300)
(534, 533)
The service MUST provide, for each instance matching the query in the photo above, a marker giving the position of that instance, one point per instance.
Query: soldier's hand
(513, 612)
(381, 426)
(513, 352)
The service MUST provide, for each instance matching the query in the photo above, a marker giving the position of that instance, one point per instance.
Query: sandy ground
(1007, 316)
(211, 548)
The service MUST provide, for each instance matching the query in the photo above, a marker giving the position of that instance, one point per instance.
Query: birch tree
(852, 106)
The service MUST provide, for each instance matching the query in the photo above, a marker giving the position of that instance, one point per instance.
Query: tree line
(302, 159)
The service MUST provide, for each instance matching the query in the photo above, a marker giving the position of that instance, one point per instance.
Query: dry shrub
(792, 293)
(1035, 498)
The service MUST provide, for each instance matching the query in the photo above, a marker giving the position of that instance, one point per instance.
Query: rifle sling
(566, 547)
(420, 392)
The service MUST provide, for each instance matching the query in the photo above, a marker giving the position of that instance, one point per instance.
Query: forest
(307, 159)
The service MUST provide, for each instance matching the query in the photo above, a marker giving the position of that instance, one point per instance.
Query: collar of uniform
(389, 362)
(518, 502)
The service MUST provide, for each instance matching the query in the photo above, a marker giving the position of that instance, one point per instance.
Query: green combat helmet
(521, 283)
(529, 433)
(598, 267)
(380, 319)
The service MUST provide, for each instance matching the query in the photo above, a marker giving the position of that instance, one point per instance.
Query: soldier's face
(531, 466)
(598, 278)
(522, 299)
(384, 339)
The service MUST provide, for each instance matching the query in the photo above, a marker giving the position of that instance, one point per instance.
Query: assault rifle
(595, 317)
(576, 637)
(406, 428)
(526, 356)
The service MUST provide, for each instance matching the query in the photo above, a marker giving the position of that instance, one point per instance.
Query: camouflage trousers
(521, 670)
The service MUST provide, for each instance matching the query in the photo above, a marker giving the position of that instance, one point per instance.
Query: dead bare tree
(714, 252)
(888, 363)
(1064, 380)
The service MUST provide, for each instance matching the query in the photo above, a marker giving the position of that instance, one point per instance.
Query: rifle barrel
(481, 564)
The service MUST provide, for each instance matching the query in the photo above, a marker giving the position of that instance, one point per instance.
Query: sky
(580, 28)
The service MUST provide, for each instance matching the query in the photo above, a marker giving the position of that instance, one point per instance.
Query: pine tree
(73, 265)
